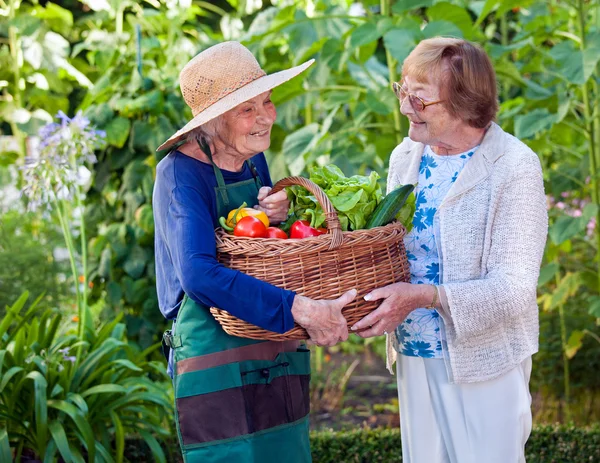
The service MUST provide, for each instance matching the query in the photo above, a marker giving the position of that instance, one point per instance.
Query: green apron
(237, 399)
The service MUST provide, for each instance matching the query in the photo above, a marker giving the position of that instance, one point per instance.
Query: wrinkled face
(246, 129)
(433, 125)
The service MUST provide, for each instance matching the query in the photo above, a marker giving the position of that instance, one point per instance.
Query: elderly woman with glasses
(464, 329)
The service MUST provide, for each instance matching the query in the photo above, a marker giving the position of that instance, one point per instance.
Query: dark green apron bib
(237, 399)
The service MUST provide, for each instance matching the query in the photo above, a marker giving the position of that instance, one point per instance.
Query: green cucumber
(389, 207)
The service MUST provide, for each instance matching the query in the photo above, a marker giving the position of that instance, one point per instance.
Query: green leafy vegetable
(354, 198)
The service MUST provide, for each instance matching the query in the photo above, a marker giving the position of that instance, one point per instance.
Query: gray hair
(207, 131)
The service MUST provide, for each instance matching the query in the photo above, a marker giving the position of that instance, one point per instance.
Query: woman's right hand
(323, 319)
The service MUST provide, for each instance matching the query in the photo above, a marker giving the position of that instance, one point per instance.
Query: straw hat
(220, 78)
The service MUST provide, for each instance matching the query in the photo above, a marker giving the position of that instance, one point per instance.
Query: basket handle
(331, 218)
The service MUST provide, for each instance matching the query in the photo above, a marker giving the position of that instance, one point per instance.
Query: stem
(119, 20)
(593, 335)
(83, 316)
(308, 113)
(590, 126)
(69, 243)
(399, 124)
(504, 41)
(563, 341)
(16, 58)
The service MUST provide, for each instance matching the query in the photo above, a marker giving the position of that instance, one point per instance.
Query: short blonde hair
(468, 80)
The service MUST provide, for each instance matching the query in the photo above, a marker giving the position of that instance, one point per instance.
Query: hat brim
(235, 98)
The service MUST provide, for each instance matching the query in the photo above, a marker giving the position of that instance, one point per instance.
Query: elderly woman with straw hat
(236, 399)
(464, 329)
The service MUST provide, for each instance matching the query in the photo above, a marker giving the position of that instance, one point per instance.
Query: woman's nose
(406, 107)
(267, 115)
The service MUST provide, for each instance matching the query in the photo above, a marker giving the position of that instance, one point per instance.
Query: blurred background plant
(118, 63)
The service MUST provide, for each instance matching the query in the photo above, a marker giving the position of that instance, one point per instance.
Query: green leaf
(157, 451)
(399, 42)
(105, 389)
(41, 410)
(136, 262)
(534, 122)
(119, 436)
(567, 288)
(408, 5)
(80, 422)
(117, 131)
(445, 11)
(114, 292)
(5, 453)
(60, 439)
(574, 65)
(594, 309)
(442, 28)
(565, 228)
(547, 272)
(364, 34)
(144, 217)
(574, 343)
(488, 6)
(297, 144)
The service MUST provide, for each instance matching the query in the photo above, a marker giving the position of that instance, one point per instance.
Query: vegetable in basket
(306, 229)
(390, 206)
(236, 215)
(354, 198)
(274, 232)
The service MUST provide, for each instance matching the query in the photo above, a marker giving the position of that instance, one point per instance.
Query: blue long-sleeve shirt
(185, 216)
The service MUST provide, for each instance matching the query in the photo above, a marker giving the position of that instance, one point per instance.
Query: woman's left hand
(399, 299)
(275, 206)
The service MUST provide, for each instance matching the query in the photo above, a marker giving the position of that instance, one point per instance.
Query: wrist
(433, 297)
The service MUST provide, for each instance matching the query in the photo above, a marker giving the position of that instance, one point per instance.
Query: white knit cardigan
(490, 231)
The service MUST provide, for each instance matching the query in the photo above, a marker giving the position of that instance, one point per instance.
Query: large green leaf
(532, 123)
(400, 6)
(565, 228)
(442, 28)
(364, 34)
(117, 131)
(136, 262)
(60, 439)
(399, 42)
(298, 143)
(574, 65)
(5, 453)
(448, 12)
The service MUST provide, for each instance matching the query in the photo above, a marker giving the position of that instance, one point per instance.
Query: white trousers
(484, 422)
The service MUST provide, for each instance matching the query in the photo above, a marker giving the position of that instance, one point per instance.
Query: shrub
(547, 444)
(54, 403)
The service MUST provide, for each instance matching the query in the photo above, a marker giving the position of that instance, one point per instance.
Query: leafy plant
(51, 405)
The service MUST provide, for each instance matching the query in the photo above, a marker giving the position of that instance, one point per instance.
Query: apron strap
(219, 175)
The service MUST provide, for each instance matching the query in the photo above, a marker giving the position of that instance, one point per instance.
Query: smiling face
(246, 129)
(434, 125)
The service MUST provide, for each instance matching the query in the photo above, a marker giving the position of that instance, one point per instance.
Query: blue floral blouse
(419, 335)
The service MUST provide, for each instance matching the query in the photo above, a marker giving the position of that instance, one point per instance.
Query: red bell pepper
(306, 229)
(274, 232)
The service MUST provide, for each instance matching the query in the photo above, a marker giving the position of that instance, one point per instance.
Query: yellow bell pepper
(236, 214)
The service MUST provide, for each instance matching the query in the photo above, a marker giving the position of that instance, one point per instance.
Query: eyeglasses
(415, 101)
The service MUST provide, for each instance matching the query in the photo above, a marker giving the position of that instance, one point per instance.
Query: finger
(368, 321)
(263, 192)
(278, 197)
(346, 298)
(344, 335)
(376, 294)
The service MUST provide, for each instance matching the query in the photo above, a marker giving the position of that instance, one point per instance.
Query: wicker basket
(322, 267)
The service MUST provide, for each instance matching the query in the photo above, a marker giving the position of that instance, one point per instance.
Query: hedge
(547, 444)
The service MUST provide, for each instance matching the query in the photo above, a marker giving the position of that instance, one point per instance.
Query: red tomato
(274, 232)
(250, 226)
